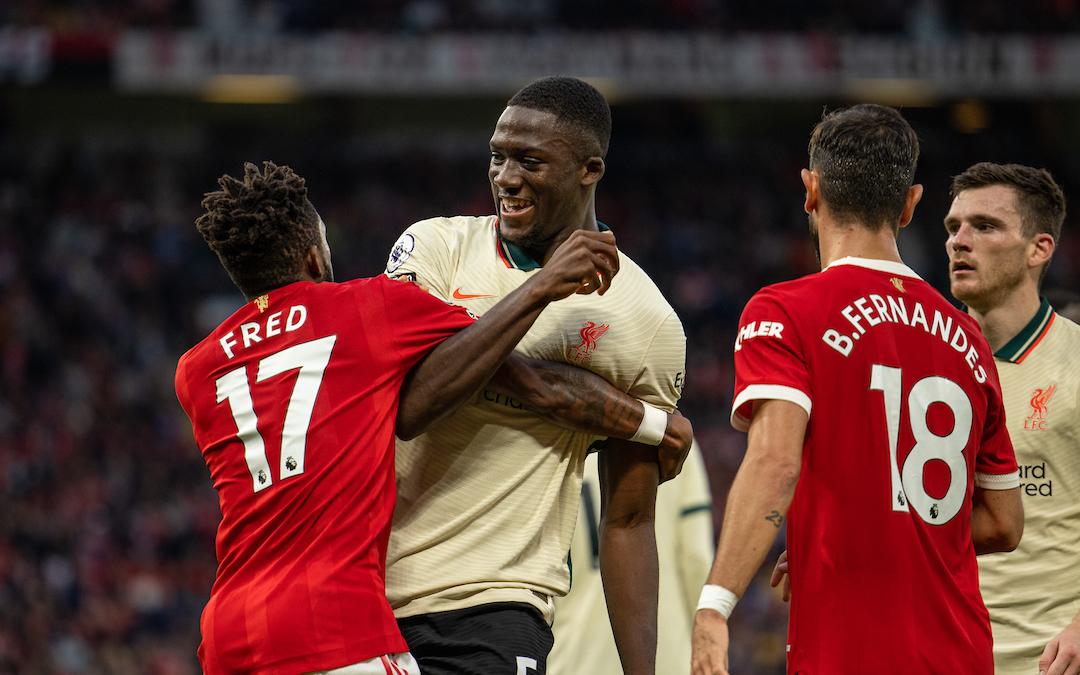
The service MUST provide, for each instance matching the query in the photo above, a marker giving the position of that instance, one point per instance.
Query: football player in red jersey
(903, 471)
(294, 401)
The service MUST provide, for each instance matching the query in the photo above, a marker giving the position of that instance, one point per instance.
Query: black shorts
(500, 638)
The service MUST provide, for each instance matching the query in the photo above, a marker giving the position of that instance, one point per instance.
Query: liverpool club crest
(590, 332)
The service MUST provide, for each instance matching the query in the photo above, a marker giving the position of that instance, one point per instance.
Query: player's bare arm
(579, 400)
(997, 520)
(629, 564)
(761, 494)
(459, 366)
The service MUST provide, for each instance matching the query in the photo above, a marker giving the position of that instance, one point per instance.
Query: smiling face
(989, 255)
(541, 185)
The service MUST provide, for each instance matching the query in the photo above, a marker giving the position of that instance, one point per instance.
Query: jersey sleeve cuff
(997, 481)
(756, 392)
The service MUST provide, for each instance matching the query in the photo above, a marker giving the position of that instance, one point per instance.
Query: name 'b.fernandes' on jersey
(293, 402)
(905, 418)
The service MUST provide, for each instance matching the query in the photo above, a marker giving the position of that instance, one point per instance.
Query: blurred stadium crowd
(922, 19)
(107, 515)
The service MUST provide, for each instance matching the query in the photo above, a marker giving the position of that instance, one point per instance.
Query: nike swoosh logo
(458, 295)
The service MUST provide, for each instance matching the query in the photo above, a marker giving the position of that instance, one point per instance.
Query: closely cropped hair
(261, 227)
(866, 157)
(577, 105)
(1039, 200)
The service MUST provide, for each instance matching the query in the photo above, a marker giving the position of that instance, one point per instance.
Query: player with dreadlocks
(294, 400)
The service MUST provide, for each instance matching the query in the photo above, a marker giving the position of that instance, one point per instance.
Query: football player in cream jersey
(487, 500)
(684, 540)
(1003, 226)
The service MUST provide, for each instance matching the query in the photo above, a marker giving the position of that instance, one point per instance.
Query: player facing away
(294, 400)
(875, 426)
(487, 500)
(1003, 226)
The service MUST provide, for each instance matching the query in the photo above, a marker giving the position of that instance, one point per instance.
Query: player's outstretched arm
(579, 400)
(756, 507)
(461, 364)
(629, 563)
(997, 520)
(1062, 654)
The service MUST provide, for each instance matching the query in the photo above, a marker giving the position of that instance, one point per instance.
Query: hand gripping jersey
(487, 499)
(1033, 593)
(905, 416)
(293, 402)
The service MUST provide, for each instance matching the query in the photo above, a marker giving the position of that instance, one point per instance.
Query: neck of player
(855, 241)
(1003, 319)
(545, 250)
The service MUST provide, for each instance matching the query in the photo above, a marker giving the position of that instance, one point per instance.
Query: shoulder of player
(1068, 328)
(1062, 345)
(789, 295)
(452, 226)
(391, 288)
(450, 234)
(634, 280)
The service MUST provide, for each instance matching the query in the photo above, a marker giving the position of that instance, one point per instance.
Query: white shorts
(402, 663)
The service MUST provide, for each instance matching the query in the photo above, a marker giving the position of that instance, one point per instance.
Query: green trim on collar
(517, 257)
(1024, 341)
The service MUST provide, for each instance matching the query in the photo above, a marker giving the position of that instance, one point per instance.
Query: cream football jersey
(1033, 593)
(487, 499)
(684, 542)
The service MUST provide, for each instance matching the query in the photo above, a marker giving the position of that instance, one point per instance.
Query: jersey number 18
(907, 481)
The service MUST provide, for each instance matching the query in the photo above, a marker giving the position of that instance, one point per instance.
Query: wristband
(718, 598)
(653, 426)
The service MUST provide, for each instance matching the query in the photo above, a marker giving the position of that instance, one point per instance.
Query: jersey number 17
(311, 358)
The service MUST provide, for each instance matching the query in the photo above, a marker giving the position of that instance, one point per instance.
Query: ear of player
(584, 263)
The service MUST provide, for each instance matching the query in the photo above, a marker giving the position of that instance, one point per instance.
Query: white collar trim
(876, 264)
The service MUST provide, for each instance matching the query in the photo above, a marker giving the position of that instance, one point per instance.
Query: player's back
(904, 410)
(293, 401)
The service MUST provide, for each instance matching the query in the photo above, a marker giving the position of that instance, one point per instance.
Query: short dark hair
(577, 105)
(1039, 200)
(261, 228)
(866, 157)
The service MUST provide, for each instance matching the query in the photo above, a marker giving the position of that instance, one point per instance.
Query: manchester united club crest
(1040, 404)
(262, 302)
(590, 332)
(899, 283)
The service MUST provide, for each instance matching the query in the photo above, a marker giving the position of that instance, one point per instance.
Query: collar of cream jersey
(1017, 349)
(876, 264)
(515, 257)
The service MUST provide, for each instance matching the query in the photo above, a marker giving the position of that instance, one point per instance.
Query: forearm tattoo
(588, 398)
(775, 518)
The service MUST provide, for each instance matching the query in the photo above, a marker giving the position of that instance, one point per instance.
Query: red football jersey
(293, 402)
(905, 416)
